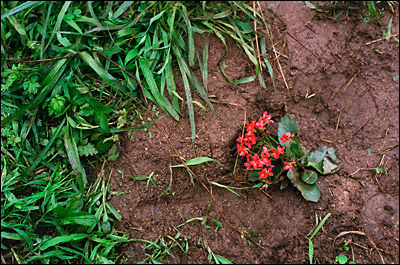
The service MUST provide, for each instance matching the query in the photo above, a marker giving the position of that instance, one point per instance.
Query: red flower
(242, 149)
(265, 173)
(254, 162)
(286, 137)
(289, 165)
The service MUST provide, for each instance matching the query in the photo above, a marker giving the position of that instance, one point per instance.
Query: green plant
(156, 251)
(150, 179)
(310, 244)
(282, 158)
(212, 257)
(63, 106)
(342, 258)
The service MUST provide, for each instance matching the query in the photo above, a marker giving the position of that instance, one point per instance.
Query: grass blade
(72, 152)
(161, 100)
(47, 148)
(61, 239)
(58, 24)
(197, 161)
(189, 99)
(189, 31)
(21, 7)
(125, 6)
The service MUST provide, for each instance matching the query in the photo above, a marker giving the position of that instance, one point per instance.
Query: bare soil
(342, 95)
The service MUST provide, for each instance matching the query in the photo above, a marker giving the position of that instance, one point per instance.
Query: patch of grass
(61, 117)
(156, 251)
(368, 10)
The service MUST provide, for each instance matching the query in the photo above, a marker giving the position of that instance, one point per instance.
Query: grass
(61, 118)
(310, 244)
(369, 11)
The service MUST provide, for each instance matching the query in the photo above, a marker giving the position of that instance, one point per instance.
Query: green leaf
(287, 125)
(197, 161)
(113, 153)
(21, 7)
(132, 54)
(221, 260)
(87, 150)
(309, 176)
(324, 160)
(309, 192)
(125, 5)
(47, 85)
(161, 100)
(57, 105)
(81, 218)
(72, 152)
(61, 239)
(310, 250)
(342, 259)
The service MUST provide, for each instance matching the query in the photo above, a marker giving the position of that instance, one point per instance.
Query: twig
(319, 58)
(159, 128)
(390, 148)
(347, 138)
(351, 80)
(41, 60)
(381, 39)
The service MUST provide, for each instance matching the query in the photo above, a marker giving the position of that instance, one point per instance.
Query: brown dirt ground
(319, 57)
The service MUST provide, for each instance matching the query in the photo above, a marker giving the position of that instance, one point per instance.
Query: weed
(310, 244)
(342, 258)
(150, 179)
(156, 251)
(212, 257)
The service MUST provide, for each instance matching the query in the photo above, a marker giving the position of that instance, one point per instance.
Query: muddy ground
(342, 95)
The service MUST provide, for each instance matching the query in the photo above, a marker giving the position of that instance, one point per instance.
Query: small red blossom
(242, 149)
(286, 137)
(265, 173)
(289, 165)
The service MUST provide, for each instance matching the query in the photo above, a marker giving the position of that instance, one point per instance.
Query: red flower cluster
(286, 137)
(255, 161)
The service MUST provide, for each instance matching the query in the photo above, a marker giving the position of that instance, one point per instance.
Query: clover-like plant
(282, 159)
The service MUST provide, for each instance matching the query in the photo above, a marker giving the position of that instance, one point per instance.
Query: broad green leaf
(309, 176)
(342, 259)
(309, 192)
(61, 239)
(324, 160)
(287, 125)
